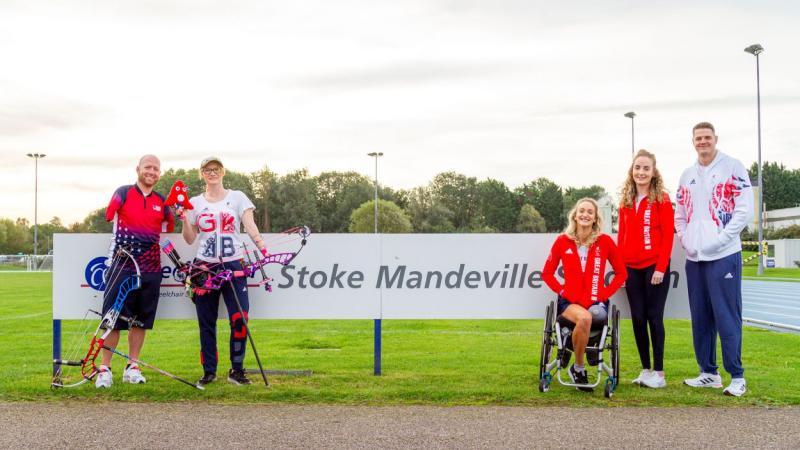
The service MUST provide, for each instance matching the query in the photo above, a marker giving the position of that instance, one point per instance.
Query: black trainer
(579, 378)
(237, 376)
(207, 378)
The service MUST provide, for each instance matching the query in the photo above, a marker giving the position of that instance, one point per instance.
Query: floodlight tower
(631, 115)
(36, 157)
(755, 50)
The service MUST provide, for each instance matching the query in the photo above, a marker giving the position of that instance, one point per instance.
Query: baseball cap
(211, 159)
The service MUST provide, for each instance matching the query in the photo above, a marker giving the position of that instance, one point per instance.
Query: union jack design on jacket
(684, 198)
(714, 204)
(723, 199)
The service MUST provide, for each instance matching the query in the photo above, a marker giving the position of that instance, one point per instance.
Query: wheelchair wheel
(613, 380)
(547, 345)
(615, 342)
(609, 390)
(544, 385)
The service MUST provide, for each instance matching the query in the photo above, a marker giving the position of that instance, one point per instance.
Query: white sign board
(363, 276)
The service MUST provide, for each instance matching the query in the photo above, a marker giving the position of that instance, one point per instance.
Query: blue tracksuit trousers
(715, 302)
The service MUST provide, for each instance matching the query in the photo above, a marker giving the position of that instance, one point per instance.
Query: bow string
(131, 282)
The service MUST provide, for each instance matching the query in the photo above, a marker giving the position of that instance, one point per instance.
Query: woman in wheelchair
(583, 251)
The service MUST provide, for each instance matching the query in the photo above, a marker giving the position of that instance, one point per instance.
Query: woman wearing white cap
(215, 221)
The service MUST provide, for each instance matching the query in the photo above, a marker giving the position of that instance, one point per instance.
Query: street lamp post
(36, 157)
(376, 155)
(631, 115)
(376, 365)
(755, 50)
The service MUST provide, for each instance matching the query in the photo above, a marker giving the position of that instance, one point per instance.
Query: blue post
(377, 363)
(56, 342)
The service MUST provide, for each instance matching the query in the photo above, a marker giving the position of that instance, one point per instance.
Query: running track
(772, 301)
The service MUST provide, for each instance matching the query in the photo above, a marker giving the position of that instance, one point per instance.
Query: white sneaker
(133, 375)
(654, 380)
(642, 375)
(104, 379)
(737, 388)
(705, 380)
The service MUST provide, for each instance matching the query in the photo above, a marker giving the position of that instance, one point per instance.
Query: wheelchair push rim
(613, 380)
(547, 346)
(546, 349)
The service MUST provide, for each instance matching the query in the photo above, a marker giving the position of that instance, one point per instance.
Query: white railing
(767, 323)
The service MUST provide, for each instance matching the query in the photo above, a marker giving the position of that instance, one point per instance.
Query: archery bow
(88, 364)
(284, 259)
(107, 321)
(200, 277)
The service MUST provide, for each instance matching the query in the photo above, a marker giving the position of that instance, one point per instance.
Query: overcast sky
(511, 90)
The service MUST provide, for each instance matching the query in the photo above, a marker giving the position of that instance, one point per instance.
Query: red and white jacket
(646, 234)
(584, 287)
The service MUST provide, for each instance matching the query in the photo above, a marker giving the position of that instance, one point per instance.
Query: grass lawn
(436, 362)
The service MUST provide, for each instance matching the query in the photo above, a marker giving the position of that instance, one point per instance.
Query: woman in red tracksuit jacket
(583, 251)
(646, 231)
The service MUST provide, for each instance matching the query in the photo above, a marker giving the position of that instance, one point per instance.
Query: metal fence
(26, 263)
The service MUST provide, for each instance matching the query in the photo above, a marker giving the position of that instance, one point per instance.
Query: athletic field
(441, 362)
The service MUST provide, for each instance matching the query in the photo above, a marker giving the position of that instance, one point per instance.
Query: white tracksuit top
(713, 205)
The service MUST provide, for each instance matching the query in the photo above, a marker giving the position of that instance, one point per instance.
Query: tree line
(342, 202)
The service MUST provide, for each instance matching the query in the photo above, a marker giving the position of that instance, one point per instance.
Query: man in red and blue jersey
(139, 215)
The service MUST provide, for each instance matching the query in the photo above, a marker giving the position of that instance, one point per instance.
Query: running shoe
(133, 375)
(104, 379)
(711, 380)
(737, 388)
(237, 376)
(654, 380)
(642, 375)
(579, 378)
(207, 378)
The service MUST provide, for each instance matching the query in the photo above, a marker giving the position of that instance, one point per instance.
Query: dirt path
(193, 425)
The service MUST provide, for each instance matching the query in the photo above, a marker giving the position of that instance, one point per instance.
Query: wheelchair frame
(552, 337)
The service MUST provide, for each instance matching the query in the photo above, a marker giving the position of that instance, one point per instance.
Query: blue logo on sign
(95, 273)
(180, 277)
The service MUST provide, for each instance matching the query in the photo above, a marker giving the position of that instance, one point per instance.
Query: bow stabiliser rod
(152, 367)
(246, 324)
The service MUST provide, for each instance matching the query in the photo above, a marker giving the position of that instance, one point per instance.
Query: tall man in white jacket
(714, 204)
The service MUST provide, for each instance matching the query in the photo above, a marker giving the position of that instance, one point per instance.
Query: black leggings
(647, 302)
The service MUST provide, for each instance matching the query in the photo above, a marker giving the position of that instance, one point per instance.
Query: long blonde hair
(628, 193)
(572, 222)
